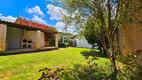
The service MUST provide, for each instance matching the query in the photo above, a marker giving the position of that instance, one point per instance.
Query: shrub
(67, 44)
(62, 45)
(129, 68)
(50, 74)
(87, 71)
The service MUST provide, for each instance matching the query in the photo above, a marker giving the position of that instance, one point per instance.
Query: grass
(26, 66)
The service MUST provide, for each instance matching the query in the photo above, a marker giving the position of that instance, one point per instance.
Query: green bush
(67, 44)
(129, 68)
(62, 45)
(87, 71)
(91, 71)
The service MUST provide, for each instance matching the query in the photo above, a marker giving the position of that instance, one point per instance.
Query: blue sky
(41, 11)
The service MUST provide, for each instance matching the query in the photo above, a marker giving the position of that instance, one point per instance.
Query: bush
(50, 74)
(67, 44)
(62, 45)
(87, 71)
(129, 69)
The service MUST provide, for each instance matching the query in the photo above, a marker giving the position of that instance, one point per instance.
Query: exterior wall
(46, 41)
(82, 43)
(42, 39)
(3, 30)
(130, 36)
(64, 38)
(14, 36)
(33, 36)
(38, 39)
(56, 40)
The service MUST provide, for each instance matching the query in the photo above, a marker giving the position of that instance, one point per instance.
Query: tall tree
(108, 15)
(89, 33)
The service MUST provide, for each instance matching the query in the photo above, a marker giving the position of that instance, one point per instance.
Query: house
(80, 42)
(64, 37)
(25, 34)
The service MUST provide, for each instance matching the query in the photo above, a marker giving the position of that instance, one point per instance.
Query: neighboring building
(80, 42)
(130, 36)
(64, 38)
(25, 34)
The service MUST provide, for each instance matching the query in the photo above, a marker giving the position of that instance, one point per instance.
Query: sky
(41, 11)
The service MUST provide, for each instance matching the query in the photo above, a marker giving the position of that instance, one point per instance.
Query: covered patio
(26, 36)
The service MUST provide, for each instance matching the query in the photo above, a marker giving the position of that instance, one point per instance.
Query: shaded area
(28, 51)
(94, 54)
(113, 76)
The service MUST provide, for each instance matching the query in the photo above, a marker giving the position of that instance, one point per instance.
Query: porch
(20, 51)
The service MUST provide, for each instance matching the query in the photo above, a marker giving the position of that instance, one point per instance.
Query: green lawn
(26, 66)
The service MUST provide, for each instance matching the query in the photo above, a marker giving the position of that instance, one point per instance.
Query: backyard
(26, 66)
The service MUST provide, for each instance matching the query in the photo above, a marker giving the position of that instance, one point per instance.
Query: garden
(26, 66)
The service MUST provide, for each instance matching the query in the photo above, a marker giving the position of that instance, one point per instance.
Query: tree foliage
(89, 33)
(108, 16)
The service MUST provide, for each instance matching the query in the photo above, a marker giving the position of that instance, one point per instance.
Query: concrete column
(25, 33)
(3, 31)
(38, 45)
(56, 40)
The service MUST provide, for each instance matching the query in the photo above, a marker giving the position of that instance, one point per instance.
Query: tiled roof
(28, 23)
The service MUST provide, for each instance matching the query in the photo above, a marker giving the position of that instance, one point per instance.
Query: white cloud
(61, 25)
(55, 12)
(7, 18)
(35, 10)
(38, 20)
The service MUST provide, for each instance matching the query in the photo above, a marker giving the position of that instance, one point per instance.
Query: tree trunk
(92, 47)
(114, 65)
(110, 55)
(110, 38)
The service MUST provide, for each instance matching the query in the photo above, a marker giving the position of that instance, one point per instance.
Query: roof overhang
(10, 24)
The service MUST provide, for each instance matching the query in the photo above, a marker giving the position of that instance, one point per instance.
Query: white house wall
(82, 43)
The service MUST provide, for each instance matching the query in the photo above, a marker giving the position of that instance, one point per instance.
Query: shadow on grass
(113, 76)
(94, 54)
(26, 52)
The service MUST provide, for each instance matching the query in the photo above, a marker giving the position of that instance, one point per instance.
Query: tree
(89, 34)
(108, 16)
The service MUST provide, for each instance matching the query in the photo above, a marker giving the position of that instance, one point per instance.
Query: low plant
(87, 71)
(50, 74)
(129, 68)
